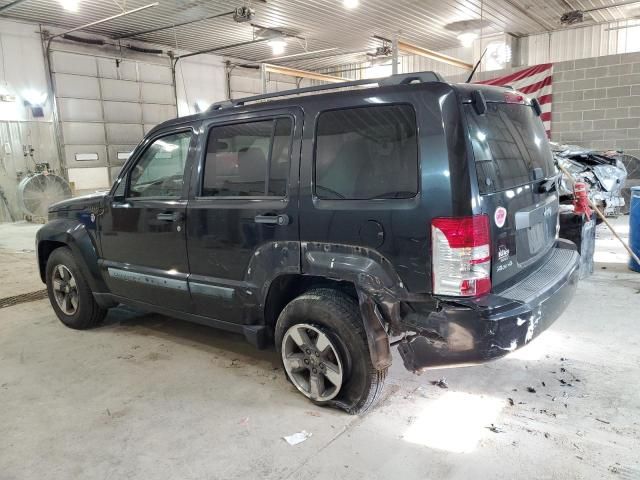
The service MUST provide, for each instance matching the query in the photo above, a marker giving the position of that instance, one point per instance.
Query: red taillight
(461, 256)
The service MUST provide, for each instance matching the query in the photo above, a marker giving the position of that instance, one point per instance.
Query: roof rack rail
(399, 79)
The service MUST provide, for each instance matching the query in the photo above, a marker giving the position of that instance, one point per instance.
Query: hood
(79, 203)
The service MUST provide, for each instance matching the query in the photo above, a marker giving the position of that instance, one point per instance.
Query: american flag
(535, 82)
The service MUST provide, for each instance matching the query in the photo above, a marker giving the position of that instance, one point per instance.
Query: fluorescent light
(277, 46)
(70, 5)
(467, 38)
(350, 4)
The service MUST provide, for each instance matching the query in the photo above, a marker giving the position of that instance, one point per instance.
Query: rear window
(367, 153)
(509, 142)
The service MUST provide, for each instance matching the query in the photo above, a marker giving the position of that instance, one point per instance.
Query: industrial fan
(38, 191)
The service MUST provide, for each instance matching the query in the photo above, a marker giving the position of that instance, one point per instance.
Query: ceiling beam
(223, 47)
(294, 72)
(440, 57)
(15, 3)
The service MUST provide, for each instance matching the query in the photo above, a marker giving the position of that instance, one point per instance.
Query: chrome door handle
(272, 219)
(168, 217)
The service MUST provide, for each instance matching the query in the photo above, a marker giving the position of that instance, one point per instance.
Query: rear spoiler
(479, 100)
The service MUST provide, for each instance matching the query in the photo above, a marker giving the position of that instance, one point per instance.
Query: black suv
(336, 225)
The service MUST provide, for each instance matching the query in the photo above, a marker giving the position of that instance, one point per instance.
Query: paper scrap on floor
(297, 438)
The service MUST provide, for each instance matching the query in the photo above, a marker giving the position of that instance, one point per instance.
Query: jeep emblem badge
(500, 216)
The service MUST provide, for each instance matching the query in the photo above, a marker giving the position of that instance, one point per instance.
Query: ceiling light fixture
(277, 46)
(351, 4)
(467, 38)
(70, 5)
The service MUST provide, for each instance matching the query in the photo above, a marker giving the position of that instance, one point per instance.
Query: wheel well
(287, 287)
(45, 249)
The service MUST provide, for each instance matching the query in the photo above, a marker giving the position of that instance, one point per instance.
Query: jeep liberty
(404, 212)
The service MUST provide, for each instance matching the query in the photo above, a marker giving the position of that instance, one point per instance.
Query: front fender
(79, 235)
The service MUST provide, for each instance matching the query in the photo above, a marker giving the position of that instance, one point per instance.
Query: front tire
(69, 292)
(324, 351)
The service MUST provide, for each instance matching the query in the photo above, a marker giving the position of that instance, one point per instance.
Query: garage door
(105, 106)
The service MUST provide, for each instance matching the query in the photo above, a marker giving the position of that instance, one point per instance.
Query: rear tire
(334, 326)
(69, 292)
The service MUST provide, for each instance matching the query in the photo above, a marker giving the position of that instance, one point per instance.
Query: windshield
(509, 142)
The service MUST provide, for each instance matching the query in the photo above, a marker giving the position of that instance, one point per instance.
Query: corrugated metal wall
(582, 42)
(105, 106)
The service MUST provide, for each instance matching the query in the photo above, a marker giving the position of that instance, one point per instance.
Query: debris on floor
(495, 429)
(297, 438)
(442, 383)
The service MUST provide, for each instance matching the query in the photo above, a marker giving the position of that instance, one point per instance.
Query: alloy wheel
(65, 290)
(311, 359)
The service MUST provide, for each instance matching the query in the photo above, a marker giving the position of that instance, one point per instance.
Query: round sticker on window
(500, 216)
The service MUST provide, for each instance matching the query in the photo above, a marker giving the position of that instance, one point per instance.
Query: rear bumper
(471, 331)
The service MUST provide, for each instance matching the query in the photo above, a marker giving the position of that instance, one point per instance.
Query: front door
(242, 223)
(142, 230)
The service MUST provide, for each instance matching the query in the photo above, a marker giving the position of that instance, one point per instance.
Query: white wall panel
(80, 110)
(156, 93)
(64, 62)
(122, 133)
(117, 69)
(153, 113)
(122, 112)
(114, 150)
(150, 73)
(120, 90)
(89, 179)
(76, 86)
(70, 152)
(83, 133)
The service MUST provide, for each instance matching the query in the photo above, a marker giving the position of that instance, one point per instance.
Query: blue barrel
(634, 226)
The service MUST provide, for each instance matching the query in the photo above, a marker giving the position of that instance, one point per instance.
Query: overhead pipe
(98, 22)
(167, 27)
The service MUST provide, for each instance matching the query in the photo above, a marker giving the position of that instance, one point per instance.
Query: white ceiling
(324, 24)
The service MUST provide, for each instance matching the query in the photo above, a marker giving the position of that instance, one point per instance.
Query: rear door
(242, 220)
(515, 171)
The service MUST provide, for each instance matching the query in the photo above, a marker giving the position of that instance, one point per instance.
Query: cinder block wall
(596, 102)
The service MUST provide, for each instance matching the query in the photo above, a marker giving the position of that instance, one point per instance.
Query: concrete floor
(150, 397)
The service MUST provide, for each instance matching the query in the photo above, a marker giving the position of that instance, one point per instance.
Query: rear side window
(248, 159)
(509, 142)
(367, 153)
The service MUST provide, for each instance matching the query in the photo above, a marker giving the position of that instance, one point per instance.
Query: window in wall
(160, 170)
(248, 159)
(367, 153)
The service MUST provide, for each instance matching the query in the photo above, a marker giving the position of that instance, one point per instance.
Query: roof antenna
(476, 67)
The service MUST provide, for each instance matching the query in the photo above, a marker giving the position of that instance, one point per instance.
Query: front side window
(160, 170)
(367, 153)
(248, 159)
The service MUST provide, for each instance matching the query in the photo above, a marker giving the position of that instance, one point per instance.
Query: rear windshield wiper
(548, 185)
